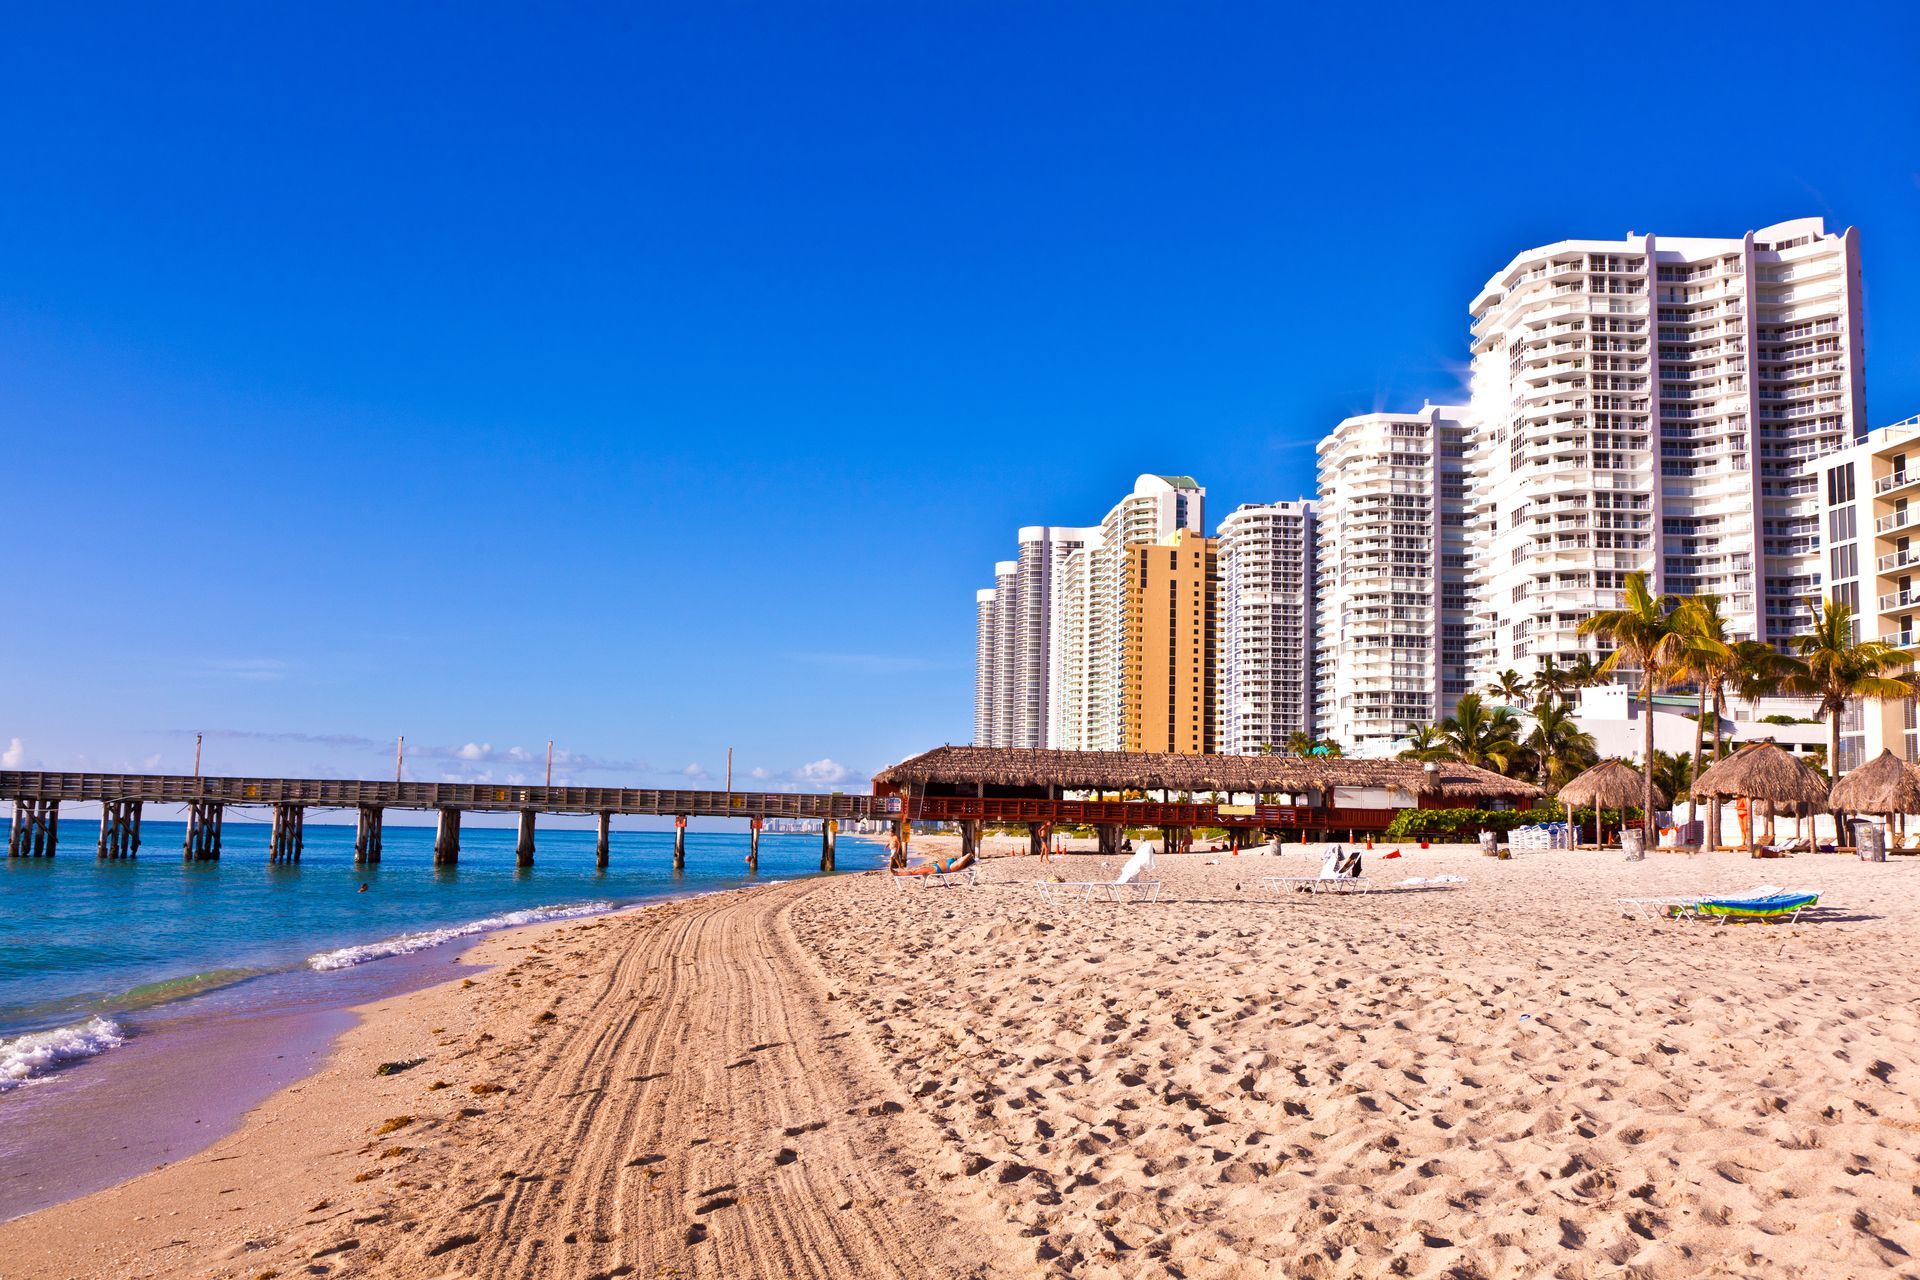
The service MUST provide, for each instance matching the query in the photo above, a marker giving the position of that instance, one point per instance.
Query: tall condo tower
(983, 655)
(1054, 675)
(1167, 659)
(1648, 405)
(1265, 654)
(1390, 639)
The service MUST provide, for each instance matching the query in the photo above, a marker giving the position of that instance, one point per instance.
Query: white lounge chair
(1330, 879)
(1125, 887)
(1431, 882)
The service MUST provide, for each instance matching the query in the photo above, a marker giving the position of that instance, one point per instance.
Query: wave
(408, 943)
(37, 1052)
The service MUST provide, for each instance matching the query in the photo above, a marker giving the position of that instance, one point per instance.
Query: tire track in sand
(714, 1112)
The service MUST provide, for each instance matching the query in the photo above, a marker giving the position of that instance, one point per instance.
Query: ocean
(155, 966)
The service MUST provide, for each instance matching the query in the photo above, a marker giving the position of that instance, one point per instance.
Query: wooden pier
(37, 798)
(969, 787)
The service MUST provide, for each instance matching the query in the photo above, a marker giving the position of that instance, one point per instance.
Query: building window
(1839, 486)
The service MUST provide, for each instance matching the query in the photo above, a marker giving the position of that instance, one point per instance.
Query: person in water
(363, 888)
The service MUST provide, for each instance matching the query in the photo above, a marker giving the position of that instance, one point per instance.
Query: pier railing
(347, 793)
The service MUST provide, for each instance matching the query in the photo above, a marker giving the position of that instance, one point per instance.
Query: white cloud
(757, 772)
(696, 771)
(152, 762)
(474, 751)
(823, 772)
(15, 755)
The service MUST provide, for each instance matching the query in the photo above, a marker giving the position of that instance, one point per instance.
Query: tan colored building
(1168, 648)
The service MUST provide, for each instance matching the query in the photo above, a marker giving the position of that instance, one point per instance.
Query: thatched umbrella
(1611, 784)
(1761, 771)
(1884, 785)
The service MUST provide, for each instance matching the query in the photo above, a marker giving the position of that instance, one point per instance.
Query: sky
(659, 379)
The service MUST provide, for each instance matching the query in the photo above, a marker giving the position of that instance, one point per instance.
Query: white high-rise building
(1647, 405)
(1054, 679)
(1390, 638)
(983, 658)
(1265, 646)
(1091, 608)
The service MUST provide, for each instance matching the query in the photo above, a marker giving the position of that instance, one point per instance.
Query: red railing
(1145, 813)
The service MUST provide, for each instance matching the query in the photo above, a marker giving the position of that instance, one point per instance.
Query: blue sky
(664, 378)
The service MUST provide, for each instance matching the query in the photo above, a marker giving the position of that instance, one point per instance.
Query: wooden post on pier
(600, 843)
(523, 851)
(36, 829)
(446, 839)
(753, 845)
(680, 842)
(366, 835)
(204, 821)
(969, 838)
(119, 829)
(288, 834)
(829, 832)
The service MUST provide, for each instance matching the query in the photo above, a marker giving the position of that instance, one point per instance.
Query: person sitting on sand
(933, 867)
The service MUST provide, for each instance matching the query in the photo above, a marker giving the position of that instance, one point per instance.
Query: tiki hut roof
(1143, 771)
(1611, 784)
(1762, 771)
(1885, 784)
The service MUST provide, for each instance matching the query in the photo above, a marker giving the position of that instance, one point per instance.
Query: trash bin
(1490, 843)
(1634, 841)
(1870, 838)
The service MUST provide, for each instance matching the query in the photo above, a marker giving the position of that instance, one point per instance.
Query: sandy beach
(846, 1077)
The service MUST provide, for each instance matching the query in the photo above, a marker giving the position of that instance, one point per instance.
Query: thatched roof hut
(1611, 784)
(1762, 771)
(1885, 784)
(961, 769)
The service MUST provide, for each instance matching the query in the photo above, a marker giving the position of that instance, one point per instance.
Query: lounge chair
(1431, 882)
(1339, 873)
(1768, 903)
(1125, 887)
(964, 869)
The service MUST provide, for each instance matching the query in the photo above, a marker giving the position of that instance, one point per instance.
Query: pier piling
(969, 838)
(119, 829)
(366, 835)
(288, 834)
(204, 821)
(753, 845)
(35, 830)
(523, 850)
(829, 833)
(446, 839)
(600, 843)
(680, 842)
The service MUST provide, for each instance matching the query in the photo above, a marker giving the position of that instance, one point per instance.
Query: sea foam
(26, 1056)
(408, 943)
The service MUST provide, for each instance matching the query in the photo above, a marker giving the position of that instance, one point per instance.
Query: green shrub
(1453, 825)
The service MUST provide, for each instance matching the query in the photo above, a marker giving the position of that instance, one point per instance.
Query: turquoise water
(87, 946)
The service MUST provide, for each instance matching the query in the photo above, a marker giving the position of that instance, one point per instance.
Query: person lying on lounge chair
(933, 867)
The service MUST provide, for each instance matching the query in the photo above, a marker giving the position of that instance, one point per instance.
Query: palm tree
(1510, 686)
(1489, 739)
(1673, 772)
(1829, 664)
(1299, 743)
(1581, 673)
(1705, 664)
(1329, 749)
(1551, 682)
(1558, 744)
(1428, 742)
(1644, 637)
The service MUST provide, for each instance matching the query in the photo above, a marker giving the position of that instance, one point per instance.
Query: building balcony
(1899, 560)
(1896, 482)
(1899, 600)
(1898, 520)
